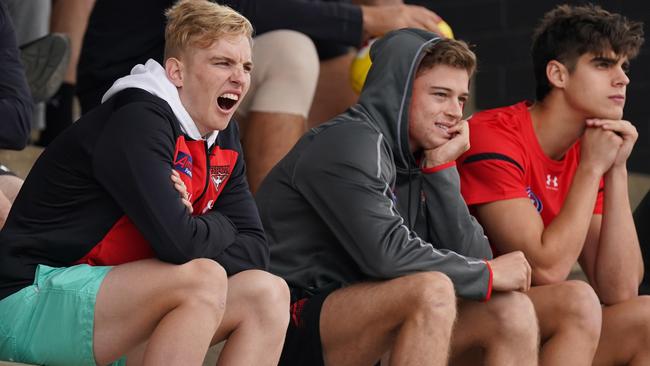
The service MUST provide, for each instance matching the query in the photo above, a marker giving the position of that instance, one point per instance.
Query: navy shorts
(302, 345)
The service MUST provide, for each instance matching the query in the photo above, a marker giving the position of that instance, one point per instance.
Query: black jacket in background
(124, 33)
(15, 98)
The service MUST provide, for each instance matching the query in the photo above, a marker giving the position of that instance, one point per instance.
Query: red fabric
(489, 291)
(124, 243)
(296, 312)
(509, 132)
(438, 167)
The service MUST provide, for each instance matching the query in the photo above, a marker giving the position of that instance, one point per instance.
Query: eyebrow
(433, 87)
(231, 60)
(609, 60)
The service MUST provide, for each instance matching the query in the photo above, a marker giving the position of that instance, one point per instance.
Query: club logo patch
(183, 163)
(535, 200)
(219, 174)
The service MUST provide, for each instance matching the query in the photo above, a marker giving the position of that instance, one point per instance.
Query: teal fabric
(51, 322)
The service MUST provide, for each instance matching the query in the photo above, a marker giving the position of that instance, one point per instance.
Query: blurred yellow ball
(445, 29)
(361, 63)
(360, 67)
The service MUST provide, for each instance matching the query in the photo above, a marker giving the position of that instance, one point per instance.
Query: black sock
(642, 219)
(58, 115)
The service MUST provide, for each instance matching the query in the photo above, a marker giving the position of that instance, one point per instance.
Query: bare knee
(641, 320)
(9, 186)
(297, 54)
(513, 316)
(203, 282)
(580, 308)
(429, 295)
(267, 297)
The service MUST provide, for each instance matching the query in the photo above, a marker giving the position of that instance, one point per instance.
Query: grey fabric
(342, 206)
(31, 20)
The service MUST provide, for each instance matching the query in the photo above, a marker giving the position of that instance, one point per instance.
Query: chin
(220, 123)
(614, 115)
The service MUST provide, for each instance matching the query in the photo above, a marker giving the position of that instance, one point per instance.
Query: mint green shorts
(51, 322)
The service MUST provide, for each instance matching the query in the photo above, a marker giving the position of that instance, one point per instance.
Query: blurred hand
(381, 19)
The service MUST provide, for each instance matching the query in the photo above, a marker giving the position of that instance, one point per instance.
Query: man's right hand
(511, 272)
(599, 148)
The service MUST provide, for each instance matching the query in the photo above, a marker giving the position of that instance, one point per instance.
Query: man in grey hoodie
(366, 223)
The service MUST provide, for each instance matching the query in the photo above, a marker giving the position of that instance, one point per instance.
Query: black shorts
(302, 346)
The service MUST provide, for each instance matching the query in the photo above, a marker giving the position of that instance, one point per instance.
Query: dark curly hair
(568, 32)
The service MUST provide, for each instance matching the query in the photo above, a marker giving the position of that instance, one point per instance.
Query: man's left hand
(451, 149)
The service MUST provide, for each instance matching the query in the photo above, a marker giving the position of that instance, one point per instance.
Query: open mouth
(227, 101)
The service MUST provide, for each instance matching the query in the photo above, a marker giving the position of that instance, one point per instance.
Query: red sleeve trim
(439, 167)
(489, 291)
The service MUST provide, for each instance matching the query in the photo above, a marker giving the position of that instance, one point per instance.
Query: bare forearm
(618, 267)
(562, 240)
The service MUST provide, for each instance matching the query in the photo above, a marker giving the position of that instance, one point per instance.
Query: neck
(557, 126)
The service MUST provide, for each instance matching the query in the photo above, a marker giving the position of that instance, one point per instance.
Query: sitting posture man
(367, 225)
(100, 258)
(558, 153)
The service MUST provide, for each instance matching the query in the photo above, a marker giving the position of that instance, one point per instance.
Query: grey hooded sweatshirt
(349, 203)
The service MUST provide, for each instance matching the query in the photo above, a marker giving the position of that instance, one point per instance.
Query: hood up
(386, 95)
(152, 77)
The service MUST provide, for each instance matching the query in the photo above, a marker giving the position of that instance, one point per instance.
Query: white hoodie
(152, 77)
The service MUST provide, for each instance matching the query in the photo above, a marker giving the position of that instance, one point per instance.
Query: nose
(238, 75)
(454, 109)
(621, 78)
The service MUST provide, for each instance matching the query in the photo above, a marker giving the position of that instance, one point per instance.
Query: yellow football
(361, 63)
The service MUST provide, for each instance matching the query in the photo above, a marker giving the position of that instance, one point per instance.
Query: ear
(557, 74)
(174, 70)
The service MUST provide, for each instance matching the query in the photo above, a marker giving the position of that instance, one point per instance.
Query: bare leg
(177, 308)
(71, 17)
(625, 336)
(411, 315)
(273, 115)
(503, 331)
(334, 92)
(268, 137)
(570, 320)
(9, 187)
(256, 319)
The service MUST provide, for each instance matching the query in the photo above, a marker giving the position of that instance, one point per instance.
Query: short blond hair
(198, 23)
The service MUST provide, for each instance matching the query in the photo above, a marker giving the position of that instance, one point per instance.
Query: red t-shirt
(505, 161)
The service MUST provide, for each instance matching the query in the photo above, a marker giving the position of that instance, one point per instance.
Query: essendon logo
(219, 174)
(183, 163)
(535, 200)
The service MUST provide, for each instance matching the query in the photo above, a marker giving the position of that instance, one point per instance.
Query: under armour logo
(551, 181)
